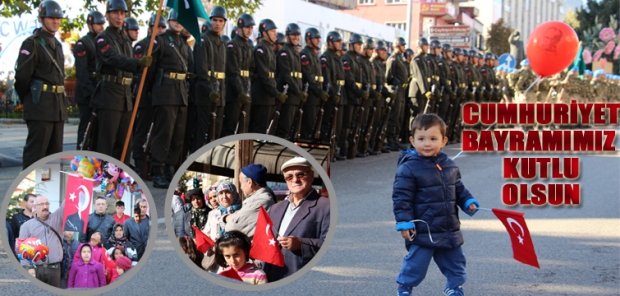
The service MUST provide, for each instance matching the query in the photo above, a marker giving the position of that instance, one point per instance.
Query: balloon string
(531, 85)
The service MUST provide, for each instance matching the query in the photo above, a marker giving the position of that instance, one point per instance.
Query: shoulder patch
(79, 43)
(138, 47)
(305, 63)
(81, 53)
(25, 52)
(155, 41)
(345, 62)
(303, 56)
(283, 54)
(105, 48)
(259, 50)
(230, 45)
(100, 40)
(202, 39)
(324, 59)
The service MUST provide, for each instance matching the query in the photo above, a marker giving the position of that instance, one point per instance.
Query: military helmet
(281, 39)
(95, 17)
(259, 35)
(344, 46)
(588, 72)
(435, 44)
(400, 41)
(457, 51)
(408, 52)
(245, 20)
(472, 53)
(574, 69)
(446, 47)
(333, 36)
(218, 11)
(488, 56)
(206, 26)
(525, 63)
(172, 16)
(292, 29)
(234, 32)
(131, 24)
(369, 44)
(480, 56)
(225, 38)
(113, 5)
(422, 41)
(312, 33)
(50, 8)
(355, 38)
(266, 25)
(380, 45)
(162, 21)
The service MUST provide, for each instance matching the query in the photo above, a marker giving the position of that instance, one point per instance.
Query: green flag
(579, 63)
(188, 12)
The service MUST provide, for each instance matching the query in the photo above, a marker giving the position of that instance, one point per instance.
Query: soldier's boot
(393, 145)
(170, 171)
(385, 148)
(159, 177)
(371, 150)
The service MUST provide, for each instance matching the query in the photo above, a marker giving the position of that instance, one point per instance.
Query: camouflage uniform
(526, 78)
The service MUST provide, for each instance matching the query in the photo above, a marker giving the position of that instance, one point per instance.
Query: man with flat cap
(253, 180)
(301, 221)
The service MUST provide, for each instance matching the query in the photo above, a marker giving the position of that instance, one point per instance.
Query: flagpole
(137, 103)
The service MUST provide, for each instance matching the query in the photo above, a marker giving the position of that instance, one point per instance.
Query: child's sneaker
(404, 290)
(458, 291)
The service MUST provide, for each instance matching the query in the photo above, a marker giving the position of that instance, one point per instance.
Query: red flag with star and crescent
(203, 242)
(265, 247)
(522, 244)
(78, 198)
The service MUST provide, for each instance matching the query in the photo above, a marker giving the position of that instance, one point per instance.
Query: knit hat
(123, 263)
(256, 172)
(295, 161)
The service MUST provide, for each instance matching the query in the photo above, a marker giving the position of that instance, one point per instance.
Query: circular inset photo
(252, 211)
(78, 223)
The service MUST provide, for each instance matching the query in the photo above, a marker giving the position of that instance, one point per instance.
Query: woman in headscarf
(198, 214)
(118, 240)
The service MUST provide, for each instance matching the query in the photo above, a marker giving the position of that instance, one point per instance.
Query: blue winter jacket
(429, 189)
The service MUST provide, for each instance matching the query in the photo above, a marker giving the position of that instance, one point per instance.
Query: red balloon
(552, 47)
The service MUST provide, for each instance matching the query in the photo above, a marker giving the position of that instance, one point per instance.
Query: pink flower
(617, 53)
(597, 55)
(609, 48)
(587, 56)
(606, 34)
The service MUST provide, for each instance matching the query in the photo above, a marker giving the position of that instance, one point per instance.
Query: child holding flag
(427, 191)
(233, 249)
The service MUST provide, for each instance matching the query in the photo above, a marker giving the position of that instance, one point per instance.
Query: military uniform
(488, 82)
(146, 112)
(86, 73)
(473, 81)
(288, 73)
(209, 68)
(420, 60)
(333, 73)
(396, 75)
(433, 73)
(526, 78)
(380, 104)
(263, 87)
(353, 87)
(460, 79)
(39, 82)
(446, 81)
(172, 59)
(368, 71)
(311, 69)
(239, 65)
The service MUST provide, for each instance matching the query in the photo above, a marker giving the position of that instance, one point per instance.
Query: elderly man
(301, 221)
(99, 221)
(47, 228)
(254, 186)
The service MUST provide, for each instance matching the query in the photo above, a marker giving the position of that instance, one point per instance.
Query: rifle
(354, 134)
(383, 124)
(316, 131)
(438, 101)
(241, 128)
(294, 132)
(271, 129)
(144, 170)
(211, 132)
(449, 115)
(428, 102)
(368, 129)
(89, 135)
(332, 123)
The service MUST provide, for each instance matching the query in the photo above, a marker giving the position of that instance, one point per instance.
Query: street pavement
(578, 247)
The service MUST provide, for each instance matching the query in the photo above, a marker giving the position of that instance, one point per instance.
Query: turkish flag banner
(522, 244)
(231, 273)
(265, 247)
(78, 197)
(203, 242)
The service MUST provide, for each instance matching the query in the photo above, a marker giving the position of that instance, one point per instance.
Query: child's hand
(408, 234)
(472, 208)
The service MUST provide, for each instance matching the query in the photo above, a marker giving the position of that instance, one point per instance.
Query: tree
(571, 19)
(234, 8)
(497, 39)
(592, 12)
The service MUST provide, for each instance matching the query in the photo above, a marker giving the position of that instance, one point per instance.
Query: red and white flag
(78, 197)
(231, 274)
(203, 242)
(522, 244)
(265, 247)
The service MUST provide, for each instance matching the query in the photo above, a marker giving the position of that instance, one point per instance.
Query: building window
(366, 2)
(399, 25)
(395, 1)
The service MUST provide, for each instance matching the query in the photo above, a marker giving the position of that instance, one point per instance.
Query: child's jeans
(451, 262)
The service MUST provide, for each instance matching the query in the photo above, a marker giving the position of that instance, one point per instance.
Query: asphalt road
(578, 247)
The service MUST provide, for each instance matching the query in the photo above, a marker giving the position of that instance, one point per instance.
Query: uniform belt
(436, 78)
(49, 265)
(404, 85)
(112, 78)
(463, 85)
(176, 76)
(217, 75)
(374, 86)
(359, 85)
(449, 82)
(272, 75)
(244, 73)
(340, 82)
(318, 78)
(296, 75)
(57, 89)
(476, 83)
(93, 75)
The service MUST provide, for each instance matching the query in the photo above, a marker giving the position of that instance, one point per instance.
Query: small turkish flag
(522, 245)
(265, 247)
(77, 203)
(203, 242)
(231, 273)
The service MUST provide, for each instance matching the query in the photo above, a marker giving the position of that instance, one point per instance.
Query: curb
(74, 121)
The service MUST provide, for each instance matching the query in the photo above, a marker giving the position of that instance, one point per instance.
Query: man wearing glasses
(46, 227)
(301, 221)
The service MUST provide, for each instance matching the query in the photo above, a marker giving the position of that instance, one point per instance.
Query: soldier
(172, 57)
(115, 68)
(343, 49)
(409, 108)
(239, 65)
(131, 28)
(378, 61)
(601, 87)
(461, 90)
(420, 59)
(368, 79)
(396, 76)
(39, 82)
(333, 73)
(488, 78)
(526, 78)
(85, 68)
(280, 42)
(433, 73)
(311, 69)
(447, 81)
(289, 73)
(210, 68)
(146, 112)
(225, 38)
(264, 89)
(259, 37)
(473, 75)
(356, 95)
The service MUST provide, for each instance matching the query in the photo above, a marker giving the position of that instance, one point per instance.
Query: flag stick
(137, 103)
